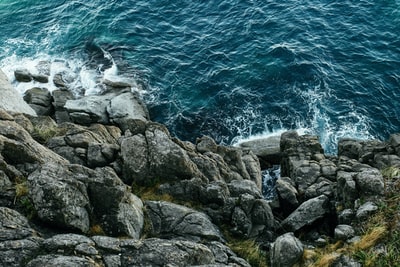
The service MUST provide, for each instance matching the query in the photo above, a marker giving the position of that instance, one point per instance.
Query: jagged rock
(268, 149)
(11, 100)
(168, 219)
(70, 195)
(321, 187)
(365, 210)
(62, 261)
(286, 251)
(40, 100)
(307, 213)
(206, 144)
(160, 252)
(15, 253)
(344, 232)
(89, 109)
(370, 182)
(23, 75)
(13, 226)
(60, 97)
(349, 148)
(347, 191)
(17, 239)
(124, 107)
(154, 155)
(287, 194)
(239, 187)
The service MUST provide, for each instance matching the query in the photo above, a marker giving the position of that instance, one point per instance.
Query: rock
(268, 149)
(124, 107)
(60, 97)
(11, 100)
(63, 79)
(345, 261)
(306, 174)
(13, 226)
(62, 261)
(286, 251)
(67, 243)
(117, 84)
(23, 75)
(307, 213)
(224, 256)
(287, 194)
(206, 144)
(370, 182)
(16, 253)
(344, 232)
(160, 252)
(89, 109)
(349, 148)
(168, 219)
(70, 195)
(346, 216)
(239, 187)
(40, 100)
(365, 210)
(347, 192)
(321, 187)
(40, 78)
(107, 244)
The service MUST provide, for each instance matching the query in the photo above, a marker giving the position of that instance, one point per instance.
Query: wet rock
(40, 78)
(23, 75)
(168, 219)
(307, 213)
(60, 97)
(11, 100)
(40, 100)
(286, 251)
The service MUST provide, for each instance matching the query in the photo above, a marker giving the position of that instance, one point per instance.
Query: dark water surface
(228, 69)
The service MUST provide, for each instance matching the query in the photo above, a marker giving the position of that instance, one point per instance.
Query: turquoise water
(229, 69)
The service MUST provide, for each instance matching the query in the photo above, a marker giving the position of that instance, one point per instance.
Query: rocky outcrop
(10, 100)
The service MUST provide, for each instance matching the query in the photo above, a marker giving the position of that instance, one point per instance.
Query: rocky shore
(93, 181)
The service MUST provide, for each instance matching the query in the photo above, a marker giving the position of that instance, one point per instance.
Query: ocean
(230, 69)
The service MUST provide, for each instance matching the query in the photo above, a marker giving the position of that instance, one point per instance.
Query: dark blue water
(229, 69)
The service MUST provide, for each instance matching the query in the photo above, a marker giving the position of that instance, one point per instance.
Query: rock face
(10, 100)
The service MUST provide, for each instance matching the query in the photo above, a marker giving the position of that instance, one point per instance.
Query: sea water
(230, 69)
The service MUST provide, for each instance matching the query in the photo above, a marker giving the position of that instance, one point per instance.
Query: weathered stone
(124, 107)
(346, 188)
(346, 216)
(365, 210)
(307, 213)
(40, 78)
(239, 187)
(345, 261)
(160, 252)
(107, 244)
(23, 75)
(370, 182)
(206, 144)
(286, 251)
(349, 147)
(266, 148)
(13, 226)
(66, 243)
(287, 194)
(40, 100)
(168, 219)
(306, 174)
(321, 187)
(15, 253)
(344, 232)
(11, 100)
(241, 222)
(62, 261)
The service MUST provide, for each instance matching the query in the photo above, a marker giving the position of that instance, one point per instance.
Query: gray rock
(287, 194)
(306, 174)
(286, 251)
(345, 261)
(365, 210)
(124, 107)
(40, 78)
(16, 253)
(224, 256)
(40, 100)
(11, 100)
(67, 243)
(347, 191)
(350, 148)
(370, 182)
(266, 148)
(206, 144)
(307, 213)
(239, 187)
(344, 232)
(89, 109)
(241, 222)
(60, 97)
(322, 186)
(13, 226)
(23, 75)
(168, 219)
(160, 252)
(346, 216)
(107, 244)
(62, 261)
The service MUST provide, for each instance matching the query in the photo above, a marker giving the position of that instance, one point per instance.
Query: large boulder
(168, 219)
(40, 100)
(71, 196)
(267, 149)
(307, 213)
(11, 100)
(286, 251)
